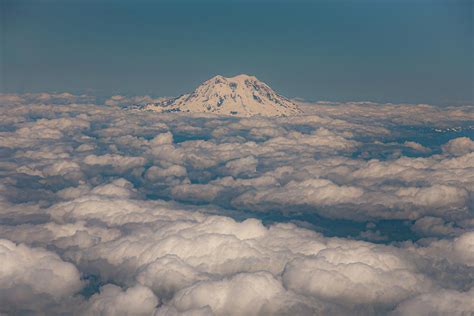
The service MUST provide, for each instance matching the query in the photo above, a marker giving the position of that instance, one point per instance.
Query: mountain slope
(241, 95)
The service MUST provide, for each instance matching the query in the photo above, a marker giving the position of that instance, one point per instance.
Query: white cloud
(117, 162)
(417, 146)
(435, 226)
(142, 202)
(442, 302)
(247, 166)
(244, 294)
(459, 146)
(162, 139)
(31, 278)
(356, 275)
(112, 300)
(155, 173)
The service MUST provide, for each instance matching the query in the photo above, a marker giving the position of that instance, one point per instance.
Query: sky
(111, 206)
(385, 51)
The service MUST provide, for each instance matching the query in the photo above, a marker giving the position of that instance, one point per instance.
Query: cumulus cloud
(110, 211)
(356, 275)
(258, 293)
(116, 162)
(436, 226)
(459, 146)
(112, 300)
(247, 165)
(124, 101)
(156, 174)
(402, 114)
(442, 302)
(312, 191)
(227, 296)
(459, 249)
(416, 146)
(32, 278)
(78, 234)
(183, 258)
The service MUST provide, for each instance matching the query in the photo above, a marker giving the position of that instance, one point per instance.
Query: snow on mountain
(241, 95)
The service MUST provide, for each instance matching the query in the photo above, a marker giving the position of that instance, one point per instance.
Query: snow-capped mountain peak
(242, 95)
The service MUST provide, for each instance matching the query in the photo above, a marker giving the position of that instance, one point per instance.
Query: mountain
(241, 95)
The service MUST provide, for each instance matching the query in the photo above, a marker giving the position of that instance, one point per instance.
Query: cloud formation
(33, 278)
(348, 209)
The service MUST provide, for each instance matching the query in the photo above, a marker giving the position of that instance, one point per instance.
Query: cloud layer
(349, 209)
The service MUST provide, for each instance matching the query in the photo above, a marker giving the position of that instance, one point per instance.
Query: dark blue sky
(384, 50)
